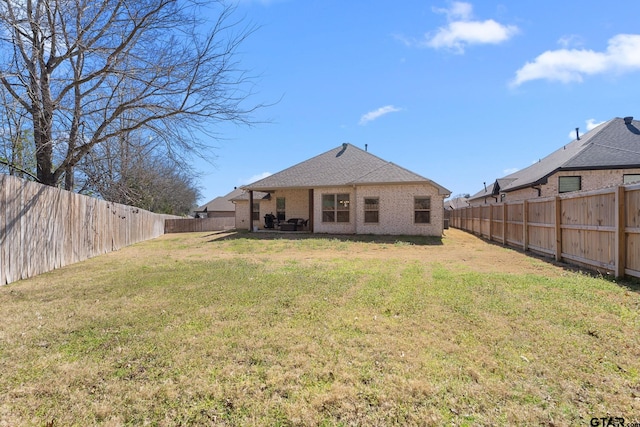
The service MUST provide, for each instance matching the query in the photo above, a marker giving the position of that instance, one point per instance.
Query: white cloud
(571, 65)
(570, 40)
(376, 114)
(509, 171)
(255, 178)
(591, 124)
(463, 31)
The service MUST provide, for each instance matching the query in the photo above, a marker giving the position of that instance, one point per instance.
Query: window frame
(419, 211)
(368, 210)
(567, 178)
(336, 208)
(635, 175)
(255, 211)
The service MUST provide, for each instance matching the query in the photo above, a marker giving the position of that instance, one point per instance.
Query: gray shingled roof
(612, 145)
(487, 191)
(457, 203)
(344, 165)
(221, 203)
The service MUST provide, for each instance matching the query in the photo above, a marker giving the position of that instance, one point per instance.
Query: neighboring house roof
(612, 145)
(221, 203)
(487, 191)
(344, 165)
(456, 203)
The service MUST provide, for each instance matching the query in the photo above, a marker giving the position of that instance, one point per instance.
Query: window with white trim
(422, 210)
(335, 207)
(371, 209)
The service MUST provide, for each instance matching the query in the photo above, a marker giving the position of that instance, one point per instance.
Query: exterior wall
(242, 214)
(396, 210)
(221, 214)
(590, 180)
(296, 204)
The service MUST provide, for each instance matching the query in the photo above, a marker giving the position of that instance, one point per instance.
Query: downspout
(537, 188)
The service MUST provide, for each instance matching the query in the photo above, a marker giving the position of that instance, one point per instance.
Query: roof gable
(343, 165)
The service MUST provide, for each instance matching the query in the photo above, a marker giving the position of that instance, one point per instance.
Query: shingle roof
(343, 165)
(487, 191)
(457, 203)
(612, 145)
(221, 203)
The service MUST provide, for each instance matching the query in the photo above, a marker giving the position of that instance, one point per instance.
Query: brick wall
(590, 180)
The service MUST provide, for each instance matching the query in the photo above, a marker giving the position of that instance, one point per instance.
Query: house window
(335, 208)
(371, 210)
(422, 210)
(630, 178)
(255, 212)
(280, 208)
(569, 183)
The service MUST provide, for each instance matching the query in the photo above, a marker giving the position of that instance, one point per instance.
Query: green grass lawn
(194, 330)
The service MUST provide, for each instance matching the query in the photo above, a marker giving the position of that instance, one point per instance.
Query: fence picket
(43, 228)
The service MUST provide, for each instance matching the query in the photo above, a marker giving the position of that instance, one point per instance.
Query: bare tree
(83, 72)
(134, 170)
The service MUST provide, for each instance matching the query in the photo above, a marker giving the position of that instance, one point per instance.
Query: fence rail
(43, 228)
(598, 229)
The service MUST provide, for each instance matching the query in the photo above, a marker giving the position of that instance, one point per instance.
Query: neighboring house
(347, 191)
(220, 207)
(605, 156)
(456, 203)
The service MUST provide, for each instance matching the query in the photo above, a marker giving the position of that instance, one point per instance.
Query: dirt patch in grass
(275, 329)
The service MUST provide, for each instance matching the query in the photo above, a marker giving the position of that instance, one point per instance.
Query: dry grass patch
(203, 329)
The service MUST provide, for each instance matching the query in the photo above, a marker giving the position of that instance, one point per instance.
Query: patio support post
(250, 211)
(310, 223)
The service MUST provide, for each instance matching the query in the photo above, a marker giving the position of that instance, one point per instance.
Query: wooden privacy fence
(189, 225)
(43, 228)
(599, 229)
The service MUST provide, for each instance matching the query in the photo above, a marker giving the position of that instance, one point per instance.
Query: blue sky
(459, 92)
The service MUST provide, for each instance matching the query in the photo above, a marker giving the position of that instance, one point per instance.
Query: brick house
(220, 207)
(346, 190)
(607, 155)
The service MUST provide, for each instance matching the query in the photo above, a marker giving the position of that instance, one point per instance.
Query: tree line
(115, 97)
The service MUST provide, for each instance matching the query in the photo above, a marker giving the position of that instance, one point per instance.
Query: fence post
(504, 224)
(558, 220)
(620, 240)
(490, 222)
(525, 230)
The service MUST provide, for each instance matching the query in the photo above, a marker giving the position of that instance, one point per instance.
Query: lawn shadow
(297, 235)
